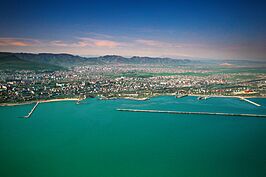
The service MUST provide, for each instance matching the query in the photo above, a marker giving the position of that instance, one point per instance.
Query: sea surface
(92, 139)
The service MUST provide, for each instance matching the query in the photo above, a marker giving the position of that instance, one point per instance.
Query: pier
(195, 113)
(32, 110)
(180, 96)
(251, 102)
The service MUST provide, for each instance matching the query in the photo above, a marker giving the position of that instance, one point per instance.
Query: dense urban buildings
(130, 80)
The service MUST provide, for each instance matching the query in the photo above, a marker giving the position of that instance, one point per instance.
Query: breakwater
(32, 110)
(251, 102)
(194, 113)
(180, 96)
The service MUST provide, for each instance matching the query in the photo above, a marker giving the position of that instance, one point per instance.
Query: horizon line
(130, 56)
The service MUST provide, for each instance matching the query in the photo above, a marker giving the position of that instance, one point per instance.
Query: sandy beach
(130, 98)
(61, 99)
(40, 101)
(138, 99)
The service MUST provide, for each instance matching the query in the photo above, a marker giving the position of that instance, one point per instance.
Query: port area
(193, 113)
(205, 97)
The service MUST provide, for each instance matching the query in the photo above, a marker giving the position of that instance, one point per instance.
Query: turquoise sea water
(64, 139)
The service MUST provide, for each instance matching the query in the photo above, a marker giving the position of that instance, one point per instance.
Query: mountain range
(51, 61)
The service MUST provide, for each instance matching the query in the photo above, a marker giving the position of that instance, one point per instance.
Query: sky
(177, 29)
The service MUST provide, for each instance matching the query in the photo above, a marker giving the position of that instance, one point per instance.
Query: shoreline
(60, 99)
(128, 98)
(40, 101)
(228, 96)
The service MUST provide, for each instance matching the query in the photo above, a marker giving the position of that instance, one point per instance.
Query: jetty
(193, 113)
(251, 102)
(32, 110)
(180, 96)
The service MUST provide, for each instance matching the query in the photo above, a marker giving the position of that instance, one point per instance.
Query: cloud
(17, 42)
(99, 35)
(94, 45)
(106, 43)
(99, 42)
(77, 42)
(87, 42)
(59, 43)
(155, 43)
(149, 42)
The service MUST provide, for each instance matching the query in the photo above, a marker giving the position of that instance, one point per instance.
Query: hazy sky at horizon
(194, 29)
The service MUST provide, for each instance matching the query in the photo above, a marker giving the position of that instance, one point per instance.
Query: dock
(180, 96)
(193, 113)
(251, 102)
(32, 110)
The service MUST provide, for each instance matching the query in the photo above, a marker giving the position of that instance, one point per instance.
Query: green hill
(63, 60)
(67, 60)
(12, 62)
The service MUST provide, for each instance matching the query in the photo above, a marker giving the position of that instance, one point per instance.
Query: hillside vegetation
(67, 60)
(12, 62)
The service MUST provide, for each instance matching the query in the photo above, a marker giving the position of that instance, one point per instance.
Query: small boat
(202, 98)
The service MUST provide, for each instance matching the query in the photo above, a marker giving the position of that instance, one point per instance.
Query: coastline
(40, 101)
(138, 99)
(228, 96)
(59, 99)
(129, 98)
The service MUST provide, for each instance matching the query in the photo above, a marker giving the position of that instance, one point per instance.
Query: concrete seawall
(32, 110)
(195, 113)
(251, 102)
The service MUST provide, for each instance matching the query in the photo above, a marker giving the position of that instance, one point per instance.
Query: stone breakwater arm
(32, 110)
(195, 113)
(251, 102)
